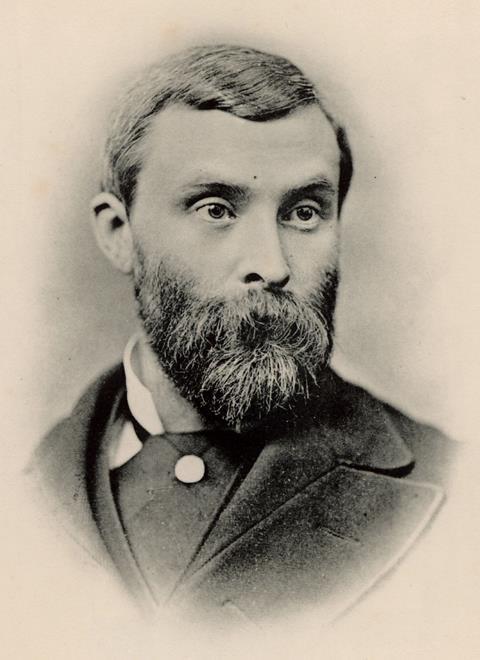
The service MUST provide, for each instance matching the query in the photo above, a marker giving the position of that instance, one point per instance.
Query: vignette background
(404, 76)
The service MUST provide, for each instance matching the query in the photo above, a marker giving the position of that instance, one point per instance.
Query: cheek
(310, 255)
(202, 256)
(164, 237)
(188, 256)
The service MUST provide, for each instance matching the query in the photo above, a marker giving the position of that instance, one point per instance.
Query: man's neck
(177, 414)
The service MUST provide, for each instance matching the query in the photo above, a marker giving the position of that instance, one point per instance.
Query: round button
(189, 469)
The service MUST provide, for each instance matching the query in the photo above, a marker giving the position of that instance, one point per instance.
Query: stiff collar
(142, 408)
(139, 398)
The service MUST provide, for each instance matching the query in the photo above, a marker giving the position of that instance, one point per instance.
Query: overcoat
(326, 510)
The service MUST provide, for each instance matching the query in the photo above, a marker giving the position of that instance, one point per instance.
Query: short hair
(245, 82)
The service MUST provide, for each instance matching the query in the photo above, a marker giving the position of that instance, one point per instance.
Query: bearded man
(224, 465)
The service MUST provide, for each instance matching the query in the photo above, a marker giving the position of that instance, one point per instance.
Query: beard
(237, 360)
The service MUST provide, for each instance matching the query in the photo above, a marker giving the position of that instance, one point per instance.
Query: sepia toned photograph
(247, 335)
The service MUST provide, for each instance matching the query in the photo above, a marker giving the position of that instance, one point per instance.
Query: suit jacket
(326, 510)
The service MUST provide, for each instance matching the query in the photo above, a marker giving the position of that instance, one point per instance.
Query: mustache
(260, 318)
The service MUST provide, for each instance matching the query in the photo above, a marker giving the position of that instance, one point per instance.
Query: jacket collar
(360, 432)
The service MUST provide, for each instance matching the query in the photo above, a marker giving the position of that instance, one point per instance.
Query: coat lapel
(319, 519)
(351, 429)
(71, 470)
(323, 549)
(60, 470)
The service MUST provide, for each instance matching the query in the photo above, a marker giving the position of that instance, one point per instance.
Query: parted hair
(245, 82)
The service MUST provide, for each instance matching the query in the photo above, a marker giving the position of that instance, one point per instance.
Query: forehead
(184, 145)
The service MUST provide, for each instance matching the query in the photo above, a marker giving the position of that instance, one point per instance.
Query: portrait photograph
(241, 336)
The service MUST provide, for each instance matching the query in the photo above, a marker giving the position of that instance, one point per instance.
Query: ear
(112, 230)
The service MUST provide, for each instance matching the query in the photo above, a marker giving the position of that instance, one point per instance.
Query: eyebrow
(315, 188)
(230, 191)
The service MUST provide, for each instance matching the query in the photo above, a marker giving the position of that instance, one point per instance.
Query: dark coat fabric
(326, 510)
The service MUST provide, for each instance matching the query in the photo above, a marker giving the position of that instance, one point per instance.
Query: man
(223, 466)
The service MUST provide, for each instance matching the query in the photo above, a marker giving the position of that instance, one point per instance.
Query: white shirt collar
(139, 398)
(142, 408)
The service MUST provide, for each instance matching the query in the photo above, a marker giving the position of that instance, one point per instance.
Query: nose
(263, 263)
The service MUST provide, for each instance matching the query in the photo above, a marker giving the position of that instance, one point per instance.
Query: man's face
(235, 228)
(231, 201)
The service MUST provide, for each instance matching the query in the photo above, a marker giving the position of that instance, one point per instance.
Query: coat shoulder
(58, 475)
(69, 436)
(434, 453)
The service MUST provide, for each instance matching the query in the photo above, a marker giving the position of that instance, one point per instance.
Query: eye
(305, 213)
(305, 216)
(215, 212)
